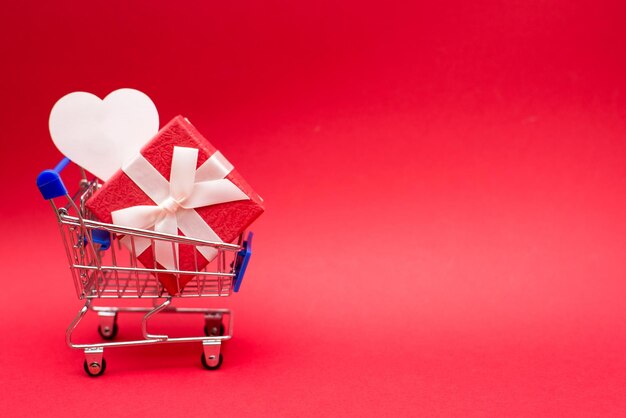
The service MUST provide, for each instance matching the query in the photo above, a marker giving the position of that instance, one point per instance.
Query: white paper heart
(100, 135)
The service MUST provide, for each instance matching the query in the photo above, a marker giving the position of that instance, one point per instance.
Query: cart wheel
(213, 331)
(106, 332)
(95, 369)
(206, 366)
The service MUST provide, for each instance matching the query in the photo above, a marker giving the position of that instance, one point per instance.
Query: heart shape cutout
(101, 134)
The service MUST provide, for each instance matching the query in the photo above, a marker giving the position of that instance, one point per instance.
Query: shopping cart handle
(241, 263)
(49, 181)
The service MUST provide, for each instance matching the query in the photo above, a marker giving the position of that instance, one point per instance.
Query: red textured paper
(228, 220)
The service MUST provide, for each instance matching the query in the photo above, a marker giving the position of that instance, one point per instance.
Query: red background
(444, 181)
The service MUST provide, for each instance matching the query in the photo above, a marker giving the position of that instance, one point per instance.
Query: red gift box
(228, 220)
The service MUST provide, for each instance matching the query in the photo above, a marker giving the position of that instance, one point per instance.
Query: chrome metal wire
(110, 273)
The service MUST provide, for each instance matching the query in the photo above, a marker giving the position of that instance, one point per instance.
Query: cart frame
(96, 259)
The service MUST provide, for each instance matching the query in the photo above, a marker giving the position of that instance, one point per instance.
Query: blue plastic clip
(241, 263)
(100, 237)
(49, 181)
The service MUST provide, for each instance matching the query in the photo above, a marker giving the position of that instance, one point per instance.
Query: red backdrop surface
(445, 230)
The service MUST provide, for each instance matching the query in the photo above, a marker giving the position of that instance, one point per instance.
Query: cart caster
(108, 325)
(107, 332)
(94, 364)
(211, 355)
(208, 366)
(213, 331)
(213, 325)
(95, 369)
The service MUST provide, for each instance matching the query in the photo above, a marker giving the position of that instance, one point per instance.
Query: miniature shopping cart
(104, 269)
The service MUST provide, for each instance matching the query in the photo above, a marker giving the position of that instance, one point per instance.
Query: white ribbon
(175, 201)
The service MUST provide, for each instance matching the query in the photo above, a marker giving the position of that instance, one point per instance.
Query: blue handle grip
(61, 165)
(49, 181)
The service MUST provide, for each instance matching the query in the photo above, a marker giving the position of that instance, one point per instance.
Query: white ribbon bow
(175, 201)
